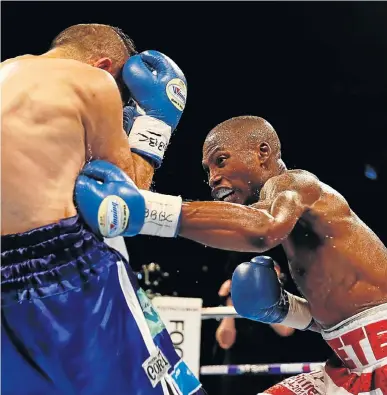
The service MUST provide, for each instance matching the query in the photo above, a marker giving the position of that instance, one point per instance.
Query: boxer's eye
(220, 160)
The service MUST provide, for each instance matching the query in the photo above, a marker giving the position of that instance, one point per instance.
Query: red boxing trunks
(359, 366)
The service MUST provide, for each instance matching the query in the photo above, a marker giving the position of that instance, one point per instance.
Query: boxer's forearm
(229, 226)
(144, 171)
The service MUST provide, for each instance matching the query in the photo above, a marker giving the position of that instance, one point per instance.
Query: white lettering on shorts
(306, 383)
(156, 366)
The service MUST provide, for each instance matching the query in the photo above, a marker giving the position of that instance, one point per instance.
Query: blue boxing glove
(159, 89)
(112, 205)
(109, 201)
(258, 295)
(130, 113)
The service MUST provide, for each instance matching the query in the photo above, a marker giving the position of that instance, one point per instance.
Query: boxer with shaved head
(338, 263)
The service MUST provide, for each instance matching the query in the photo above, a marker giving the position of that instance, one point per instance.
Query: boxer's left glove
(159, 90)
(112, 205)
(257, 294)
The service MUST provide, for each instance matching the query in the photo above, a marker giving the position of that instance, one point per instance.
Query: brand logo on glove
(177, 93)
(113, 216)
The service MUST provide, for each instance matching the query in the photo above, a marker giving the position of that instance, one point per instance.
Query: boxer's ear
(264, 152)
(104, 64)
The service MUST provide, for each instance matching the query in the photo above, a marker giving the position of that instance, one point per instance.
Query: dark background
(316, 71)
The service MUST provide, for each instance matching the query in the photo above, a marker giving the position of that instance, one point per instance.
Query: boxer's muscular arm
(247, 228)
(238, 228)
(105, 136)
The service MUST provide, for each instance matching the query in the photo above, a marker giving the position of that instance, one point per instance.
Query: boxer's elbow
(259, 244)
(267, 234)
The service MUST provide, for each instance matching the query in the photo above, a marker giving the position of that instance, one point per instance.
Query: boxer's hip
(360, 341)
(360, 346)
(51, 260)
(74, 320)
(359, 365)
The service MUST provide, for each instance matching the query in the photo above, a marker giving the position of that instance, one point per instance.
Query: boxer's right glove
(112, 205)
(158, 88)
(258, 295)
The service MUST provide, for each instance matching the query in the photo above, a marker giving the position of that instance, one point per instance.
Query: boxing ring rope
(274, 368)
(219, 312)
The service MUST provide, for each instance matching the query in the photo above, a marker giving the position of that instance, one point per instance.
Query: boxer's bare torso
(51, 123)
(337, 262)
(335, 259)
(43, 142)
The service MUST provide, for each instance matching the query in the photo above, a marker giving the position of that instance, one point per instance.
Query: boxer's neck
(63, 53)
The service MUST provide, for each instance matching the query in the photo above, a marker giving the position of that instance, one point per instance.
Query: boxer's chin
(230, 198)
(236, 197)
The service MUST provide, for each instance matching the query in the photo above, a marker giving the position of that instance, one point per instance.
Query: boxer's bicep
(105, 136)
(289, 198)
(256, 228)
(288, 204)
(285, 210)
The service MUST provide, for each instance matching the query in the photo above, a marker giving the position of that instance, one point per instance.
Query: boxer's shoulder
(6, 62)
(58, 72)
(306, 184)
(84, 76)
(94, 84)
(94, 76)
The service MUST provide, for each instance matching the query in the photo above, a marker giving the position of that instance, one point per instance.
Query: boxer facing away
(74, 320)
(336, 260)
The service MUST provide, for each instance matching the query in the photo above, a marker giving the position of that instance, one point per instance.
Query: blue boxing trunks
(75, 321)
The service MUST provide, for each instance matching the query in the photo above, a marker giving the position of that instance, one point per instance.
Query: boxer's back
(43, 140)
(336, 260)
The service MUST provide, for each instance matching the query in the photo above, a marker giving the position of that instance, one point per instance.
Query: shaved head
(246, 132)
(239, 156)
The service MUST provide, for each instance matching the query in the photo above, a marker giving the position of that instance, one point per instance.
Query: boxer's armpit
(235, 227)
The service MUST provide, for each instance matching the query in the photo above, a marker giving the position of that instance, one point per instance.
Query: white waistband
(365, 317)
